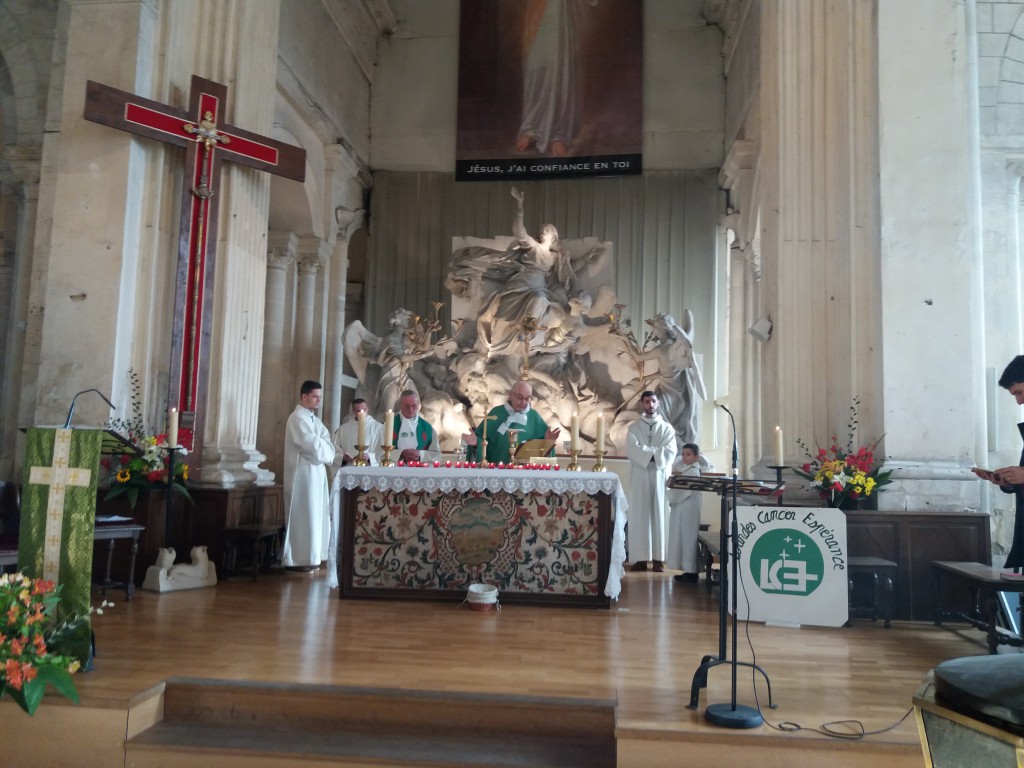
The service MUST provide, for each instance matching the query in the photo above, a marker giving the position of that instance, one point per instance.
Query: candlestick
(172, 428)
(360, 459)
(600, 435)
(361, 428)
(780, 453)
(574, 465)
(599, 464)
(389, 427)
(574, 432)
(386, 459)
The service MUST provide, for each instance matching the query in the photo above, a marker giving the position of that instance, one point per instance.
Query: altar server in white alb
(346, 436)
(308, 452)
(684, 516)
(651, 449)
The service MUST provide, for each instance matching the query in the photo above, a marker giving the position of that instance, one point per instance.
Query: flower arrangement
(147, 467)
(840, 473)
(29, 656)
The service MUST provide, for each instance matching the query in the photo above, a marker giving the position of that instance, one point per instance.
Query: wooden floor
(642, 652)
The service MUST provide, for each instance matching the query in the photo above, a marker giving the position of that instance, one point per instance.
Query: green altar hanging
(58, 517)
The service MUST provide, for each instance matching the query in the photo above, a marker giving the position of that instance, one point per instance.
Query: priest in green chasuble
(515, 414)
(413, 436)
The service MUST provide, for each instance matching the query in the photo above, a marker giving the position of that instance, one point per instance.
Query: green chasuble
(497, 444)
(58, 501)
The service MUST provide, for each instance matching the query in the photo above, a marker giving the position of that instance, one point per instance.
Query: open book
(534, 449)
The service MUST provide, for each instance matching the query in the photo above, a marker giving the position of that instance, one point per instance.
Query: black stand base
(700, 680)
(733, 716)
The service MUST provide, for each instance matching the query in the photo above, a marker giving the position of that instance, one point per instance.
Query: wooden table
(984, 583)
(110, 533)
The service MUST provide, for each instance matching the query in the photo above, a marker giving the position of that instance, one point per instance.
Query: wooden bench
(984, 583)
(880, 575)
(259, 540)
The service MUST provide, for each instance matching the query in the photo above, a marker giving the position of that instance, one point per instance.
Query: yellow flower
(184, 472)
(124, 475)
(74, 666)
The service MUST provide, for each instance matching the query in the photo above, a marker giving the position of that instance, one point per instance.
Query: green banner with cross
(58, 516)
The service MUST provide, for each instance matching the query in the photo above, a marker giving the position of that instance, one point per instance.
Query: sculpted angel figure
(678, 381)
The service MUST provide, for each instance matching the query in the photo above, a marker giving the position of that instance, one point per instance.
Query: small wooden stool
(261, 540)
(882, 574)
(709, 550)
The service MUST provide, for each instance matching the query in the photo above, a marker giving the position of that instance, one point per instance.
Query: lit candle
(600, 433)
(780, 452)
(172, 427)
(389, 426)
(361, 429)
(574, 432)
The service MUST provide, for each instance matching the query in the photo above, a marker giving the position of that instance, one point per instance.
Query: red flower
(41, 587)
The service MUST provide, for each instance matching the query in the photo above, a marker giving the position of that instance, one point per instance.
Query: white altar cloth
(460, 479)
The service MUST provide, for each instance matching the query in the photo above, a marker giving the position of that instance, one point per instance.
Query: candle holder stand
(386, 458)
(359, 461)
(574, 465)
(778, 477)
(599, 464)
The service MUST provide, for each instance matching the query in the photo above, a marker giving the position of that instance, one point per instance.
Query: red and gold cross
(208, 140)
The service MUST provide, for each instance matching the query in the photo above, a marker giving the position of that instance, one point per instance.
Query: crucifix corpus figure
(208, 140)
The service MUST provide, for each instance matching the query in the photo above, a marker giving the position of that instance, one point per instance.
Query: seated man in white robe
(413, 437)
(346, 435)
(308, 453)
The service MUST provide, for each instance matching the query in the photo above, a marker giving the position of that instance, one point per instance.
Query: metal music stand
(731, 715)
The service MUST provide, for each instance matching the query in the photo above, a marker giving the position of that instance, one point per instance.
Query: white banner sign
(793, 565)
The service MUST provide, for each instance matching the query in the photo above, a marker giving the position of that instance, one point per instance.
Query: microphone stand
(731, 715)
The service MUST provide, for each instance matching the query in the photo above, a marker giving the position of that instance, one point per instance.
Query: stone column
(91, 242)
(819, 223)
(16, 265)
(342, 172)
(277, 391)
(238, 46)
(313, 255)
(932, 304)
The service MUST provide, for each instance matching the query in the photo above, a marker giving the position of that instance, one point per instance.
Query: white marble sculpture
(540, 308)
(165, 576)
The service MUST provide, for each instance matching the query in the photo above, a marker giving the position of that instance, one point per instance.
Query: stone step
(241, 723)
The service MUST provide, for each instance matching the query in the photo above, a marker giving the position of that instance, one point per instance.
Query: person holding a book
(1011, 479)
(517, 414)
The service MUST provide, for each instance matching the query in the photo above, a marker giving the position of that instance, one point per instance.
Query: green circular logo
(788, 562)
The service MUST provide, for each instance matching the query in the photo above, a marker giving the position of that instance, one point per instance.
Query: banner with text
(793, 565)
(549, 89)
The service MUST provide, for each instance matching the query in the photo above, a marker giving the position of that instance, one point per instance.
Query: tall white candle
(361, 430)
(172, 427)
(574, 432)
(389, 426)
(780, 451)
(600, 433)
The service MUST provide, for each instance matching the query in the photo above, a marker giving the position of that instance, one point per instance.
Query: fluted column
(819, 223)
(313, 255)
(238, 46)
(277, 397)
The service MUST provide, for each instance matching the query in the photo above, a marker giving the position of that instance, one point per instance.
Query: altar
(539, 536)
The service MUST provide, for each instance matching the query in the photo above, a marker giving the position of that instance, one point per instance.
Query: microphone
(735, 443)
(71, 410)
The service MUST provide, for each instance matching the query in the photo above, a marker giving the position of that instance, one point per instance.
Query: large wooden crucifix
(208, 140)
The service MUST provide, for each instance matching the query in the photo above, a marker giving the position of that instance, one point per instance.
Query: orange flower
(12, 670)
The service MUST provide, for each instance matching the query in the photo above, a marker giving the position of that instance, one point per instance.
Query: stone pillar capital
(312, 254)
(281, 249)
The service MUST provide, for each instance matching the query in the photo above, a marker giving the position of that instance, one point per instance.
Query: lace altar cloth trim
(493, 480)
